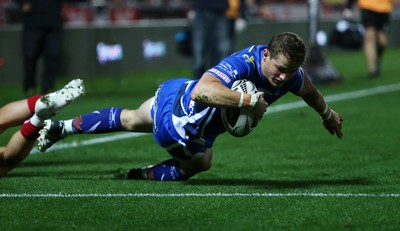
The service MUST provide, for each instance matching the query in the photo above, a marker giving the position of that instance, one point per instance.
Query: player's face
(278, 70)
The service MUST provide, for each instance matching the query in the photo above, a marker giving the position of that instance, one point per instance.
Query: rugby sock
(167, 170)
(32, 102)
(103, 121)
(30, 128)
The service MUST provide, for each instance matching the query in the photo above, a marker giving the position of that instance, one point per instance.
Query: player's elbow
(197, 93)
(204, 88)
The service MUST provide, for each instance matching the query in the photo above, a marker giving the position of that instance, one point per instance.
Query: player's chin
(276, 83)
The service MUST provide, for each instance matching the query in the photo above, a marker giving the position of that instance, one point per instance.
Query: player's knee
(128, 119)
(193, 169)
(205, 160)
(205, 166)
(132, 120)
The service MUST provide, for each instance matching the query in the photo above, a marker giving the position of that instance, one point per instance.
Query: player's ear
(265, 54)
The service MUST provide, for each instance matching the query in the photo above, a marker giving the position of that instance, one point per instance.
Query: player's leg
(15, 113)
(372, 22)
(102, 121)
(12, 114)
(173, 169)
(382, 27)
(190, 168)
(18, 147)
(46, 106)
(189, 157)
(138, 120)
(382, 43)
(370, 41)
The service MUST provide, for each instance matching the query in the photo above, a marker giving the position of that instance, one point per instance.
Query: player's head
(289, 45)
(286, 52)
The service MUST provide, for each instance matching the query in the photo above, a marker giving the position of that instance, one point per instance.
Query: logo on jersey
(191, 107)
(249, 59)
(220, 74)
(228, 68)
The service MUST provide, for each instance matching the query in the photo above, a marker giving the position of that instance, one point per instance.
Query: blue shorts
(163, 128)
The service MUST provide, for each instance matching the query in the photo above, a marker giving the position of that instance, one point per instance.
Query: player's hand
(333, 124)
(260, 108)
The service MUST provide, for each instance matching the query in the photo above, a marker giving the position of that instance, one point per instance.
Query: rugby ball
(239, 121)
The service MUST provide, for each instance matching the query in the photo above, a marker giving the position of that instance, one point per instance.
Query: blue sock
(166, 171)
(103, 121)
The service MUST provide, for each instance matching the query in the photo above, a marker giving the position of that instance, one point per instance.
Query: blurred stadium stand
(130, 11)
(140, 34)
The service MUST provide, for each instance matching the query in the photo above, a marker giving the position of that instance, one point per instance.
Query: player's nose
(283, 76)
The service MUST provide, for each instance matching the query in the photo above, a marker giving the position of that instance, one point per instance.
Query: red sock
(32, 102)
(30, 131)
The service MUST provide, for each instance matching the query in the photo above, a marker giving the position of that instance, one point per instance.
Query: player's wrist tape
(253, 100)
(241, 99)
(325, 110)
(329, 116)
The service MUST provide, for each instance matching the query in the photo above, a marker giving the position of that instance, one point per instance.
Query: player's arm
(331, 119)
(212, 92)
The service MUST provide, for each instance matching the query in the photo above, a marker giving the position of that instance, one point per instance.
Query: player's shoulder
(253, 50)
(249, 55)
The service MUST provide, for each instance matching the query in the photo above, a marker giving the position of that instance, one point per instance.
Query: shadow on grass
(280, 183)
(75, 162)
(69, 174)
(75, 174)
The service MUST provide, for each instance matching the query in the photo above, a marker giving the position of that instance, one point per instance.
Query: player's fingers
(339, 128)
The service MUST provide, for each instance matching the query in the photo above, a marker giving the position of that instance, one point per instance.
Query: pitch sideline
(284, 107)
(117, 195)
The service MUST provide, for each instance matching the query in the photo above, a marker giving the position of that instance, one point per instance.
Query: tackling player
(185, 115)
(31, 113)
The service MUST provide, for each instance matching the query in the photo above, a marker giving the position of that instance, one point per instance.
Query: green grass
(288, 155)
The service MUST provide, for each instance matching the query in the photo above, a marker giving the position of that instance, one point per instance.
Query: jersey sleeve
(230, 69)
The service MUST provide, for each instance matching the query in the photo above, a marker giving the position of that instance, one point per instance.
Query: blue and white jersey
(179, 119)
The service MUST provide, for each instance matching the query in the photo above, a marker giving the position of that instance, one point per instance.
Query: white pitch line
(115, 195)
(339, 97)
(272, 109)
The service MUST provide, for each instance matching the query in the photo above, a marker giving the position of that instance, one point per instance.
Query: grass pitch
(288, 174)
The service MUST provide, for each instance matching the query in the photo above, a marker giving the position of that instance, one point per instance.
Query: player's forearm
(215, 95)
(317, 102)
(211, 92)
